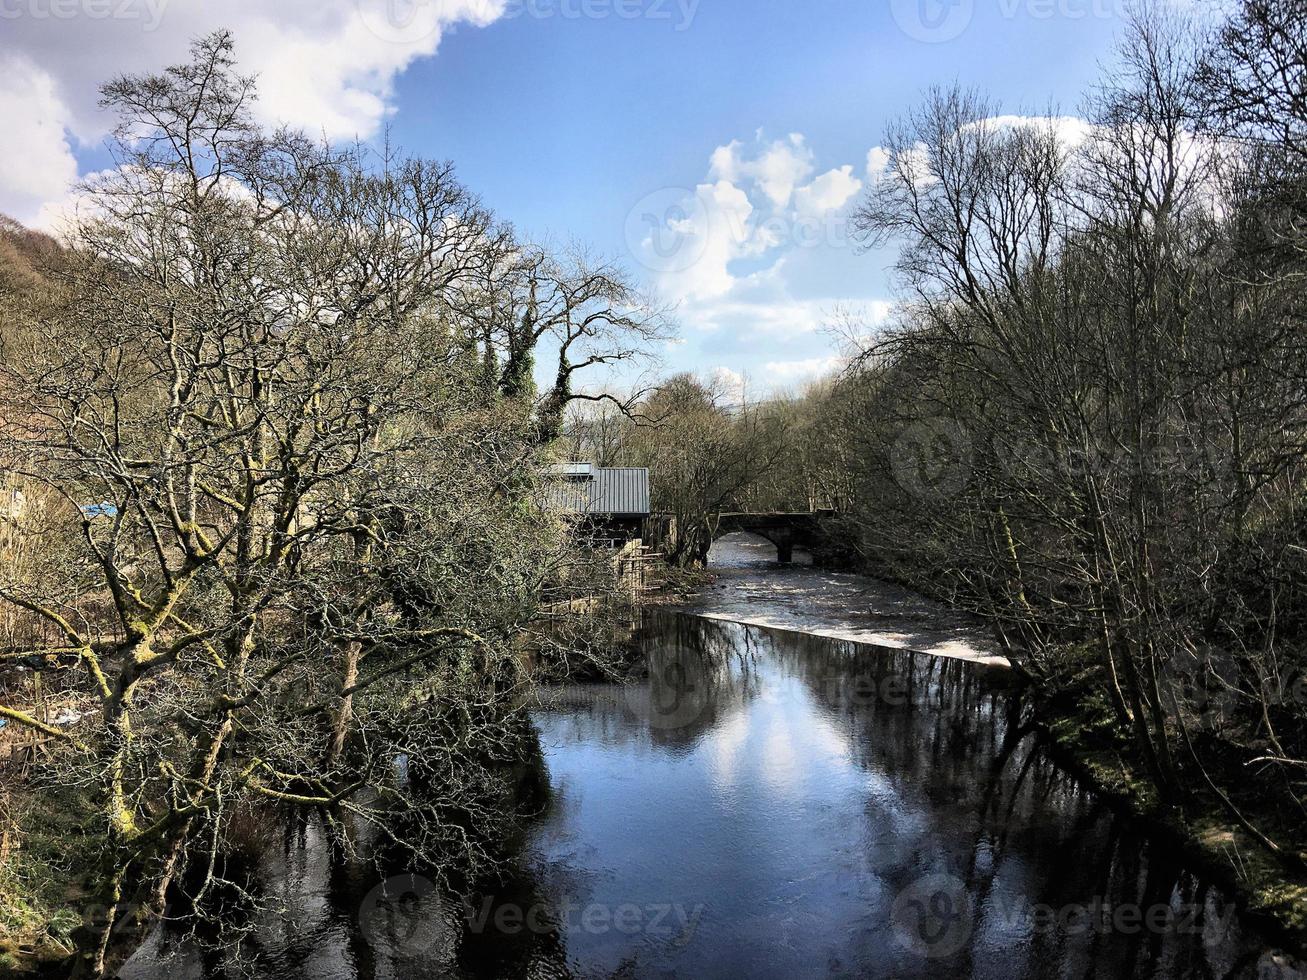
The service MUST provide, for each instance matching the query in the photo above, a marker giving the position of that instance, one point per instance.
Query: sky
(714, 148)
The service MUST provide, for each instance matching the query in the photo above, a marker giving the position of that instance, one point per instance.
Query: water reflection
(778, 805)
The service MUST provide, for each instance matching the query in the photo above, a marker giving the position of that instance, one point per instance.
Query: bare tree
(1099, 368)
(293, 530)
(703, 453)
(579, 314)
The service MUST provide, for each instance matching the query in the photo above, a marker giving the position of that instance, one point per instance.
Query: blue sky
(564, 125)
(751, 120)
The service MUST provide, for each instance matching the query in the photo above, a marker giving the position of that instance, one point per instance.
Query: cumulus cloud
(758, 203)
(912, 163)
(786, 373)
(748, 255)
(768, 320)
(776, 167)
(829, 192)
(326, 65)
(731, 384)
(711, 231)
(761, 320)
(915, 163)
(36, 162)
(878, 161)
(1071, 131)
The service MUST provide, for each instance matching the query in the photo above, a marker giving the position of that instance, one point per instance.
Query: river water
(772, 804)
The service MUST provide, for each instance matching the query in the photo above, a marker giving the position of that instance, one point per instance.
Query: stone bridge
(783, 530)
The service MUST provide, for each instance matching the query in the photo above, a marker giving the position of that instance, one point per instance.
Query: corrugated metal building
(613, 500)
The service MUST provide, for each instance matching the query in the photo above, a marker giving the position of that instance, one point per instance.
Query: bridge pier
(783, 539)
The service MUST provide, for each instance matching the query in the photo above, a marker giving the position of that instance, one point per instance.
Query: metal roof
(615, 491)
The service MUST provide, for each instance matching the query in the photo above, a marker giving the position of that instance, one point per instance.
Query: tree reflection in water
(772, 804)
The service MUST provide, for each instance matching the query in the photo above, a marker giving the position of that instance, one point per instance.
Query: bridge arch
(744, 545)
(785, 531)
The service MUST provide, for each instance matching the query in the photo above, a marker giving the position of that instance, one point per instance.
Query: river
(771, 803)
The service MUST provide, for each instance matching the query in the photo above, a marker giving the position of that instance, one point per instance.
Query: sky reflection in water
(779, 805)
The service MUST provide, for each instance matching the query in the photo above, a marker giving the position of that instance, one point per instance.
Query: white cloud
(878, 161)
(757, 258)
(915, 163)
(63, 209)
(732, 384)
(1072, 131)
(829, 192)
(713, 231)
(788, 373)
(775, 168)
(326, 65)
(765, 321)
(725, 163)
(757, 205)
(760, 320)
(749, 258)
(36, 162)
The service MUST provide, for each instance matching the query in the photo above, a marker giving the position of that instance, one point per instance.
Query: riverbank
(51, 865)
(1085, 741)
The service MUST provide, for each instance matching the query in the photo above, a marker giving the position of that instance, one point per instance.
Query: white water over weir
(751, 588)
